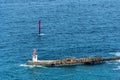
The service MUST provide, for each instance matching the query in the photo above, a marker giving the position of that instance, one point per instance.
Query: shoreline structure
(69, 61)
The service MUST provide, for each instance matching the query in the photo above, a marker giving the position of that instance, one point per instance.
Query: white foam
(112, 62)
(117, 61)
(31, 66)
(115, 53)
(41, 34)
(118, 68)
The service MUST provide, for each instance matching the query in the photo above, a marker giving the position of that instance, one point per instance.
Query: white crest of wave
(41, 34)
(118, 68)
(110, 62)
(31, 66)
(115, 53)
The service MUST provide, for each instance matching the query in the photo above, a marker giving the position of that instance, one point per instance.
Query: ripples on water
(79, 28)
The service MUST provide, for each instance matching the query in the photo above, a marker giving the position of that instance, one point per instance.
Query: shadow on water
(34, 73)
(67, 66)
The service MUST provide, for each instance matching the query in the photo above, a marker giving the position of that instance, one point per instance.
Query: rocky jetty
(69, 61)
(72, 61)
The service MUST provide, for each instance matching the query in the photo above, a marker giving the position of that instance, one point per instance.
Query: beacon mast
(39, 27)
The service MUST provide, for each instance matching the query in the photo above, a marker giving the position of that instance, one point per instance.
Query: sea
(70, 28)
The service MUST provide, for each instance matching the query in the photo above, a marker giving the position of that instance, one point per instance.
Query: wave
(118, 68)
(114, 62)
(41, 34)
(115, 53)
(31, 66)
(111, 62)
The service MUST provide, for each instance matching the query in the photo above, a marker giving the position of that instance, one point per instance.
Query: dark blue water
(80, 28)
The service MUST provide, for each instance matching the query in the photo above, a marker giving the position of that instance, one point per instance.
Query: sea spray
(116, 54)
(31, 66)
